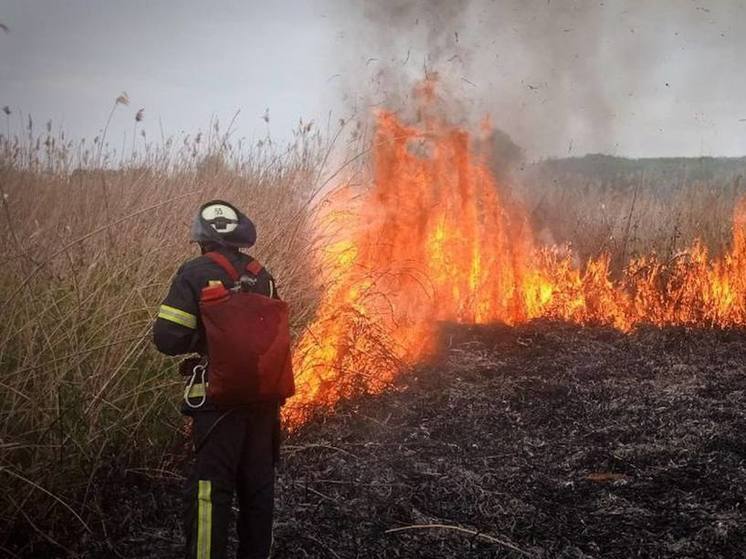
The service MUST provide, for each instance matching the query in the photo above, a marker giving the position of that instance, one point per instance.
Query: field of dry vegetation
(88, 248)
(88, 253)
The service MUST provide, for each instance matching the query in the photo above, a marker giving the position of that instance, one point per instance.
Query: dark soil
(548, 441)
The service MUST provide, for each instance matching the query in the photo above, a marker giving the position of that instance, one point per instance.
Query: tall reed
(90, 243)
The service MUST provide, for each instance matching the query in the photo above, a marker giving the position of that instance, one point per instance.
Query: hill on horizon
(669, 170)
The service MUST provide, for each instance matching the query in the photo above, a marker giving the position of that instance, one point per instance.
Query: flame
(432, 239)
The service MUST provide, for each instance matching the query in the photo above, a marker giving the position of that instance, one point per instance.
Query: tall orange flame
(431, 240)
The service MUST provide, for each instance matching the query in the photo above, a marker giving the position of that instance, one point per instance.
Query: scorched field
(545, 440)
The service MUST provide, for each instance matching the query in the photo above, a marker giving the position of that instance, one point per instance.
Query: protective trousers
(234, 454)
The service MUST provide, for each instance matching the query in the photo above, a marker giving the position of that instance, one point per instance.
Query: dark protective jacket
(235, 450)
(178, 329)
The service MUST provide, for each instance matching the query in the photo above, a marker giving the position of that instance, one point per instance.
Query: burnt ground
(546, 441)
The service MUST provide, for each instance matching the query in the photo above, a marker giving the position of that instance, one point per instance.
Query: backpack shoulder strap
(224, 263)
(254, 267)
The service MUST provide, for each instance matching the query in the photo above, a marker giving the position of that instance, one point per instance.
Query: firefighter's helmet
(222, 223)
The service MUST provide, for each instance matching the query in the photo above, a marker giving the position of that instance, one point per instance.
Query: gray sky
(624, 77)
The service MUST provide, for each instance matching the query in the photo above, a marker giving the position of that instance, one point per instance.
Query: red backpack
(248, 340)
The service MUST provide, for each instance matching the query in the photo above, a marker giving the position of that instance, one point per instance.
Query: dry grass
(631, 216)
(88, 253)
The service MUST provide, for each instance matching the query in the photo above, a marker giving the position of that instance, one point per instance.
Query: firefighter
(235, 448)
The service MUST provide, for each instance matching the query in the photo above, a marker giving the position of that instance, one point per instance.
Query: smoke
(561, 78)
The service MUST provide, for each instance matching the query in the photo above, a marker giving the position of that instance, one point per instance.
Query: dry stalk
(476, 534)
(49, 493)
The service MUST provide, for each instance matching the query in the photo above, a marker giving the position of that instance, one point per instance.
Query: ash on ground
(545, 441)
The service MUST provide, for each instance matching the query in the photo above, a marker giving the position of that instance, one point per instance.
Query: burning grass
(434, 238)
(420, 234)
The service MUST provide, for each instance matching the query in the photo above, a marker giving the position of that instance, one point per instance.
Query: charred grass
(546, 441)
(559, 441)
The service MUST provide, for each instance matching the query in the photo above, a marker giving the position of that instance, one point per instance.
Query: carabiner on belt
(199, 370)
